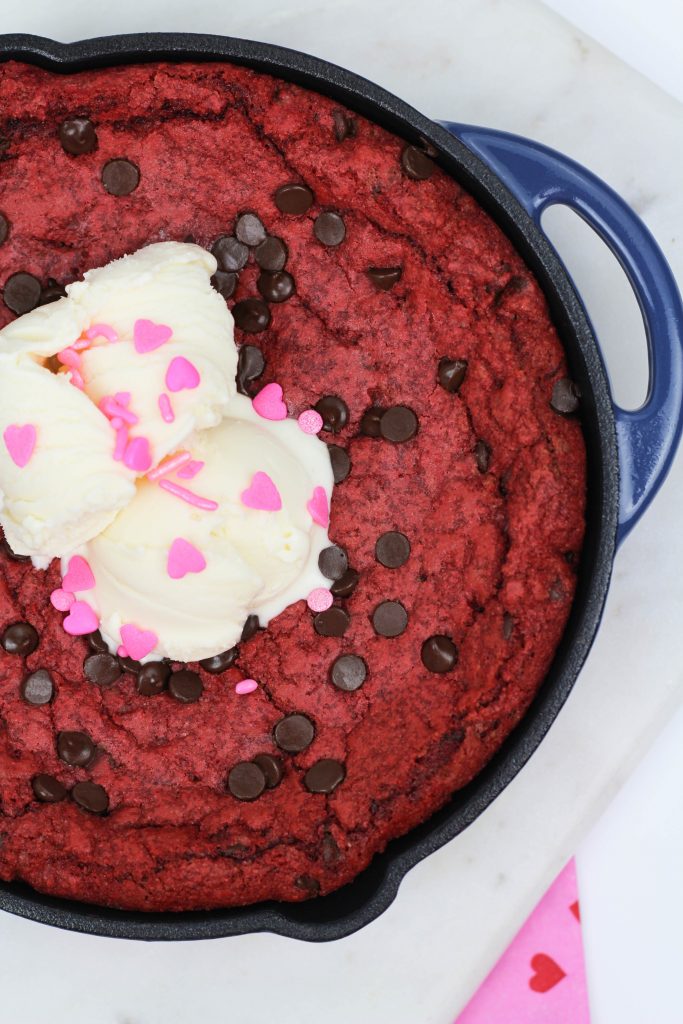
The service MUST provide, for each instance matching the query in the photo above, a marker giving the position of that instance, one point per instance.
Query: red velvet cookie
(376, 290)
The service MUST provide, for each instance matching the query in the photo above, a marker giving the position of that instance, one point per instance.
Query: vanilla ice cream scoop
(235, 530)
(145, 353)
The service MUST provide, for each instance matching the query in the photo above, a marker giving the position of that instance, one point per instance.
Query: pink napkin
(540, 978)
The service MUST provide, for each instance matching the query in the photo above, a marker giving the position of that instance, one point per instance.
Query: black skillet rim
(366, 897)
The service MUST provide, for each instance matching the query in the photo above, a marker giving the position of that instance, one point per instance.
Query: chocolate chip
(276, 287)
(566, 396)
(186, 686)
(324, 776)
(370, 421)
(47, 789)
(4, 228)
(384, 278)
(330, 850)
(333, 622)
(482, 456)
(153, 678)
(398, 424)
(97, 641)
(6, 549)
(251, 315)
(294, 199)
(392, 549)
(341, 462)
(346, 584)
(416, 164)
(225, 282)
(231, 254)
(77, 136)
(344, 125)
(439, 653)
(333, 562)
(508, 625)
(51, 292)
(249, 229)
(308, 884)
(246, 781)
(334, 412)
(271, 254)
(451, 373)
(220, 662)
(90, 797)
(21, 292)
(348, 672)
(120, 177)
(102, 669)
(271, 767)
(250, 366)
(129, 664)
(250, 628)
(390, 618)
(37, 688)
(20, 638)
(75, 748)
(329, 228)
(294, 733)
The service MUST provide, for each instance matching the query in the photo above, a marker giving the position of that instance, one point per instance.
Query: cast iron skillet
(629, 453)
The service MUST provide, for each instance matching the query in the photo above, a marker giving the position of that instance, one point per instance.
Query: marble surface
(519, 67)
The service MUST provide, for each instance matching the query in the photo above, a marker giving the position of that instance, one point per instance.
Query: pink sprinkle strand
(116, 422)
(120, 444)
(190, 470)
(246, 686)
(310, 421)
(122, 397)
(80, 344)
(320, 599)
(137, 455)
(318, 507)
(101, 331)
(169, 465)
(77, 380)
(165, 408)
(70, 357)
(20, 442)
(189, 496)
(110, 407)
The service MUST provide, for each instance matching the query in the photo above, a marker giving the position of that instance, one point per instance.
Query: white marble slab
(520, 67)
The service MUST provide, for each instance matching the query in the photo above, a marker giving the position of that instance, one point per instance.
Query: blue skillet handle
(539, 177)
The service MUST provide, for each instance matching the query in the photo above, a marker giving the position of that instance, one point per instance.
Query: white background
(510, 65)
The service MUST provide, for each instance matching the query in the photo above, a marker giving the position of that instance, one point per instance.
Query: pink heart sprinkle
(268, 403)
(80, 620)
(138, 642)
(20, 442)
(79, 576)
(137, 455)
(147, 335)
(262, 494)
(310, 421)
(182, 375)
(184, 557)
(190, 469)
(320, 599)
(61, 600)
(246, 686)
(318, 507)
